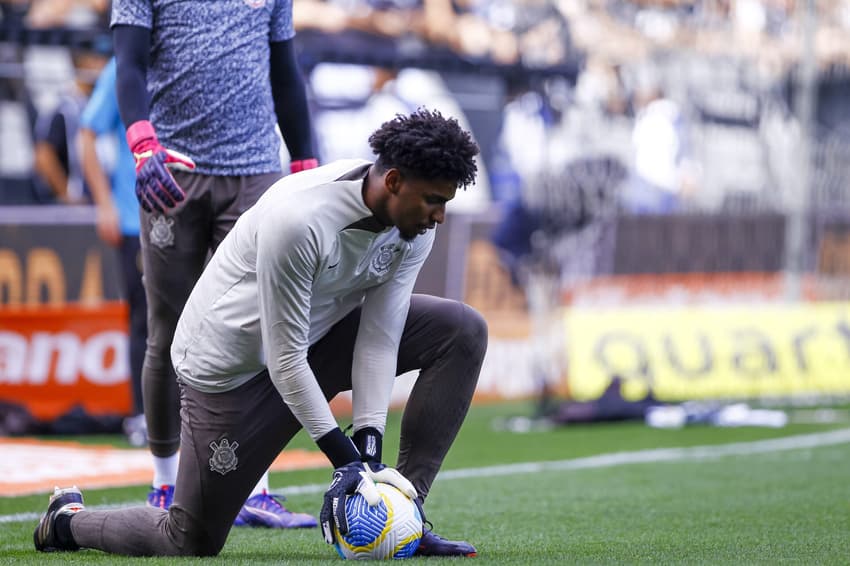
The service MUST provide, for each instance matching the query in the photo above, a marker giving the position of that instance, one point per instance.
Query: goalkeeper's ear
(369, 441)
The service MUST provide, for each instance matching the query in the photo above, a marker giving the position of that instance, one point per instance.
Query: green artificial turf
(775, 507)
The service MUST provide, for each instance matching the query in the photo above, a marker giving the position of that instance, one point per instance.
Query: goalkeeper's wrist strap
(303, 164)
(369, 441)
(140, 135)
(338, 448)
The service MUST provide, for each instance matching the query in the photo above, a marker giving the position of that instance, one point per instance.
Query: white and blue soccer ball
(390, 529)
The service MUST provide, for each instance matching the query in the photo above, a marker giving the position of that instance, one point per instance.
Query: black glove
(369, 441)
(381, 473)
(347, 480)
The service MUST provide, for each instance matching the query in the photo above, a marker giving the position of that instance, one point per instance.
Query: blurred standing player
(57, 160)
(308, 296)
(200, 87)
(118, 222)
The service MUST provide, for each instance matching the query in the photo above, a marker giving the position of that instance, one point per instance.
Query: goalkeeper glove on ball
(369, 441)
(347, 480)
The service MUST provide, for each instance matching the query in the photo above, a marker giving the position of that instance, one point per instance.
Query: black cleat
(432, 544)
(63, 502)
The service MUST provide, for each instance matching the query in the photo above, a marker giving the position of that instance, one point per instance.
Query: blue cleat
(161, 496)
(265, 510)
(63, 502)
(432, 544)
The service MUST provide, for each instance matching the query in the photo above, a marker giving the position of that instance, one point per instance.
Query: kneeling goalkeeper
(309, 295)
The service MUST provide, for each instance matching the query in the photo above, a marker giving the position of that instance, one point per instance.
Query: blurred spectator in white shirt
(663, 174)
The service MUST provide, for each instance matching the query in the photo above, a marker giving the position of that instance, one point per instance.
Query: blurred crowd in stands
(695, 99)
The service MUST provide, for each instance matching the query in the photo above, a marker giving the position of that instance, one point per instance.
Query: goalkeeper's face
(417, 205)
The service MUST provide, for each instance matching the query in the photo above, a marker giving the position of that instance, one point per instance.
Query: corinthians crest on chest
(383, 258)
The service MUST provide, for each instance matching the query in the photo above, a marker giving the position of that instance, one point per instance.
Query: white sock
(164, 470)
(262, 485)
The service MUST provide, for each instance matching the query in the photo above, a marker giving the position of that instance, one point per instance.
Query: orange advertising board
(55, 358)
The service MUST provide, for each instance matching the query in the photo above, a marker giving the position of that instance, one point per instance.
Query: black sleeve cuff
(370, 444)
(338, 448)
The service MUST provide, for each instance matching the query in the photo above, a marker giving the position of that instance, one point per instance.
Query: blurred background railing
(664, 189)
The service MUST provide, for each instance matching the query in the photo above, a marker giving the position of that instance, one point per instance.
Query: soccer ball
(390, 529)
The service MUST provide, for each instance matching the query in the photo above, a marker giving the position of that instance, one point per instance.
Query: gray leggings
(174, 250)
(445, 339)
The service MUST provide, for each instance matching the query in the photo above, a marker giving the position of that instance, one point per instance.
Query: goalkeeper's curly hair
(426, 146)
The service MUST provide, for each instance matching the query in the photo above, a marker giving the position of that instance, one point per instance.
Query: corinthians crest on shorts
(162, 231)
(224, 456)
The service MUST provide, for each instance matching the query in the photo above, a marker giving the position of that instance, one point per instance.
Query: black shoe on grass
(432, 544)
(63, 502)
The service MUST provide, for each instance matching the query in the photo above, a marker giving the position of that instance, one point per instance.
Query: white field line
(803, 441)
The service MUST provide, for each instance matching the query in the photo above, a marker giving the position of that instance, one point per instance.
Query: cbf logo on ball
(224, 456)
(383, 259)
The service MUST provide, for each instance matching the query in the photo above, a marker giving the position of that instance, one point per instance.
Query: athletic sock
(164, 470)
(63, 532)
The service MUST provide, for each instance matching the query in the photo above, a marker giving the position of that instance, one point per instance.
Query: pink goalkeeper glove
(156, 188)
